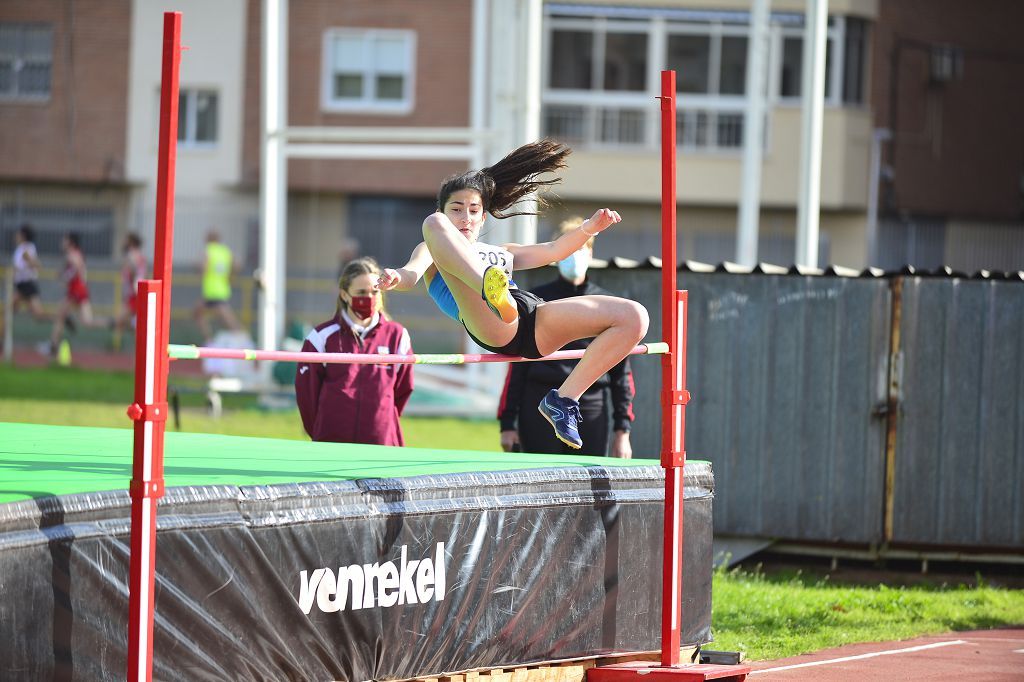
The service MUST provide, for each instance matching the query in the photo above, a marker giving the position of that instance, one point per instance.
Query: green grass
(77, 384)
(420, 432)
(78, 397)
(772, 617)
(65, 383)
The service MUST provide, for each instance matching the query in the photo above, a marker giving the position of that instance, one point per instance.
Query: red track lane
(990, 655)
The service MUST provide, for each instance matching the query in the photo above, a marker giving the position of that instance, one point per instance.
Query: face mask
(363, 306)
(574, 266)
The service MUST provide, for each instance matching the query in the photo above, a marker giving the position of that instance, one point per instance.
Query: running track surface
(989, 655)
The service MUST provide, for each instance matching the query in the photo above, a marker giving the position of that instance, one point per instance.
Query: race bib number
(495, 255)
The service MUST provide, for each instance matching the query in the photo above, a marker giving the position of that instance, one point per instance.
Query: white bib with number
(495, 255)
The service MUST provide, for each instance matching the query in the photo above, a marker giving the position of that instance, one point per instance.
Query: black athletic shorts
(27, 289)
(524, 343)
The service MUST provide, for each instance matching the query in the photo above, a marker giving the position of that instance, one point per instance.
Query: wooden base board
(561, 671)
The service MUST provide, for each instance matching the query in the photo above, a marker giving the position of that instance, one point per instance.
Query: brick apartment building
(63, 113)
(948, 82)
(78, 103)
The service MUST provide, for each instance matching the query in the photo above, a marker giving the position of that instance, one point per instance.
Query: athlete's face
(465, 209)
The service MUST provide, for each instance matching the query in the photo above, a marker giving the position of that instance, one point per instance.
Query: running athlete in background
(471, 281)
(76, 298)
(26, 273)
(218, 265)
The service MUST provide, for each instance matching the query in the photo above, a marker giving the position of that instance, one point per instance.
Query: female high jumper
(471, 281)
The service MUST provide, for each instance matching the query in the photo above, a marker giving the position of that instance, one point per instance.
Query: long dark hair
(360, 266)
(511, 180)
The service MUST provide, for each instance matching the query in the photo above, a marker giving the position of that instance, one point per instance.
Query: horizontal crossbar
(181, 352)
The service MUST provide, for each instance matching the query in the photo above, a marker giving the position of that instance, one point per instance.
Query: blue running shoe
(564, 416)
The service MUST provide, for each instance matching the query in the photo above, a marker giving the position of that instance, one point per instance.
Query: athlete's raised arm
(406, 277)
(538, 255)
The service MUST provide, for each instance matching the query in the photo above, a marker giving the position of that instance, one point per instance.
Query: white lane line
(1018, 651)
(830, 661)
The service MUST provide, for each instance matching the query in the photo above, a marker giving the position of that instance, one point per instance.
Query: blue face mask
(575, 265)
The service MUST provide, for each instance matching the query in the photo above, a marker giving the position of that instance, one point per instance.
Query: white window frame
(659, 26)
(368, 104)
(19, 59)
(598, 100)
(835, 38)
(716, 32)
(189, 115)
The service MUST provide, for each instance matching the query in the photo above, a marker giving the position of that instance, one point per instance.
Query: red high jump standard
(149, 409)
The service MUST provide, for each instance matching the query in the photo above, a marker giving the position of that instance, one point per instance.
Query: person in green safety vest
(218, 265)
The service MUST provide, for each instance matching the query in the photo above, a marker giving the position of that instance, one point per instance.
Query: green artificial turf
(38, 460)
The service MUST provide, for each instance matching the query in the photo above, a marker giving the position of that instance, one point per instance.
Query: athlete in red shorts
(76, 299)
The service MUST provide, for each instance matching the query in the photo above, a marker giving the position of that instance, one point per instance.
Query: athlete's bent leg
(453, 254)
(617, 325)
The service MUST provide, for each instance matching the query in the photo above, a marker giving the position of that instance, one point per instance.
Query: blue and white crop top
(442, 295)
(489, 254)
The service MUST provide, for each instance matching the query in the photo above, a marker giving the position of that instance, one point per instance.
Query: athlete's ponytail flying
(510, 180)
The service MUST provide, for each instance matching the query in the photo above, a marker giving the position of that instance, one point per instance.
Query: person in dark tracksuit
(611, 396)
(349, 403)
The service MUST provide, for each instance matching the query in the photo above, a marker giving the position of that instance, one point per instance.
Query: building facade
(63, 112)
(948, 85)
(927, 92)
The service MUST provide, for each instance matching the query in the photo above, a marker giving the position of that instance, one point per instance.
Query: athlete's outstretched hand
(388, 279)
(601, 220)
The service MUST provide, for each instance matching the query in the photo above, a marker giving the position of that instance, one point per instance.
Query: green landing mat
(42, 461)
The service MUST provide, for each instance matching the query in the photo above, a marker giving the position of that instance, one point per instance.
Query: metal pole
(753, 135)
(670, 459)
(147, 484)
(813, 84)
(149, 411)
(195, 353)
(9, 316)
(532, 92)
(478, 79)
(273, 172)
(166, 161)
(880, 135)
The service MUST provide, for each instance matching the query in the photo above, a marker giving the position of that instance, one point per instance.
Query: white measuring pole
(753, 135)
(813, 85)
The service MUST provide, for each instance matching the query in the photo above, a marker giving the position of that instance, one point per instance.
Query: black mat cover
(358, 580)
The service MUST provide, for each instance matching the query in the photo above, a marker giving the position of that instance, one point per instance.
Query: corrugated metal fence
(959, 455)
(791, 402)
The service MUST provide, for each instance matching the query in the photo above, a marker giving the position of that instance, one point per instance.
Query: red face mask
(363, 306)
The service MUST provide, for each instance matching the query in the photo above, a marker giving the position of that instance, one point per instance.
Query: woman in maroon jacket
(355, 403)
